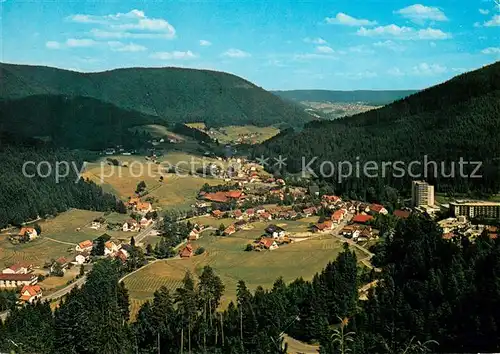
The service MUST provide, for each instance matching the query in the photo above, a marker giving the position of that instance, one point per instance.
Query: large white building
(422, 194)
(473, 209)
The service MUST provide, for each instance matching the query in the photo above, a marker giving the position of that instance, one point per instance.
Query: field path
(63, 242)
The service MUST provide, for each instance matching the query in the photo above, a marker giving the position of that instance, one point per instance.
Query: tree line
(432, 295)
(24, 198)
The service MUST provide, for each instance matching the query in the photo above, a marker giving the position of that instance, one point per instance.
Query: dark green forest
(73, 122)
(24, 198)
(457, 119)
(433, 295)
(373, 98)
(174, 95)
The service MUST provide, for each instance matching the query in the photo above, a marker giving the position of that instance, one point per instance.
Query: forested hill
(174, 94)
(72, 122)
(459, 118)
(369, 97)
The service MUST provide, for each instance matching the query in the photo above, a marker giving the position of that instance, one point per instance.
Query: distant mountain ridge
(458, 119)
(174, 95)
(370, 97)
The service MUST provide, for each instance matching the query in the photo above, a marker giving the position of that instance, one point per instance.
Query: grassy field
(233, 132)
(59, 238)
(231, 263)
(158, 131)
(59, 235)
(174, 192)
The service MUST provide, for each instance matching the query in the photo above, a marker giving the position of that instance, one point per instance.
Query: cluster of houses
(111, 250)
(461, 226)
(20, 275)
(273, 237)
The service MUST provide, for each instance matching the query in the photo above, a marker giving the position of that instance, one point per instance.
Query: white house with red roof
(18, 268)
(378, 209)
(84, 246)
(30, 293)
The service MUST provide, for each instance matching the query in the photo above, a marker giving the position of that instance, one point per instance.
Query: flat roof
(475, 203)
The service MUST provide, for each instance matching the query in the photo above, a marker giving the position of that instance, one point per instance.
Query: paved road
(141, 235)
(54, 296)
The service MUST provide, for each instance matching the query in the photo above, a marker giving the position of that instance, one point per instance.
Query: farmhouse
(187, 251)
(217, 214)
(95, 225)
(82, 258)
(130, 225)
(231, 229)
(30, 293)
(18, 268)
(62, 262)
(275, 231)
(122, 255)
(28, 231)
(250, 212)
(110, 248)
(327, 225)
(17, 280)
(146, 222)
(268, 243)
(218, 197)
(84, 246)
(143, 207)
(238, 214)
(194, 235)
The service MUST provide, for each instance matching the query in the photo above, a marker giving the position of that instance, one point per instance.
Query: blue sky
(277, 44)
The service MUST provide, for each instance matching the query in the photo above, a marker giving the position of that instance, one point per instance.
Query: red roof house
(361, 219)
(187, 251)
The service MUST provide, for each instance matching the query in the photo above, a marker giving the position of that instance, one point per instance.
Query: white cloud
(175, 55)
(205, 43)
(358, 76)
(346, 20)
(235, 53)
(419, 13)
(395, 72)
(324, 49)
(388, 44)
(53, 45)
(133, 24)
(73, 42)
(484, 11)
(315, 40)
(404, 33)
(494, 22)
(491, 50)
(121, 47)
(361, 49)
(309, 56)
(424, 69)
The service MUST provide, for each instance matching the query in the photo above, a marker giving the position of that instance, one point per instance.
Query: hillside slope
(174, 94)
(457, 119)
(73, 122)
(373, 98)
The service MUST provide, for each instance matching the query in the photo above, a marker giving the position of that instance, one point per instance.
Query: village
(269, 213)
